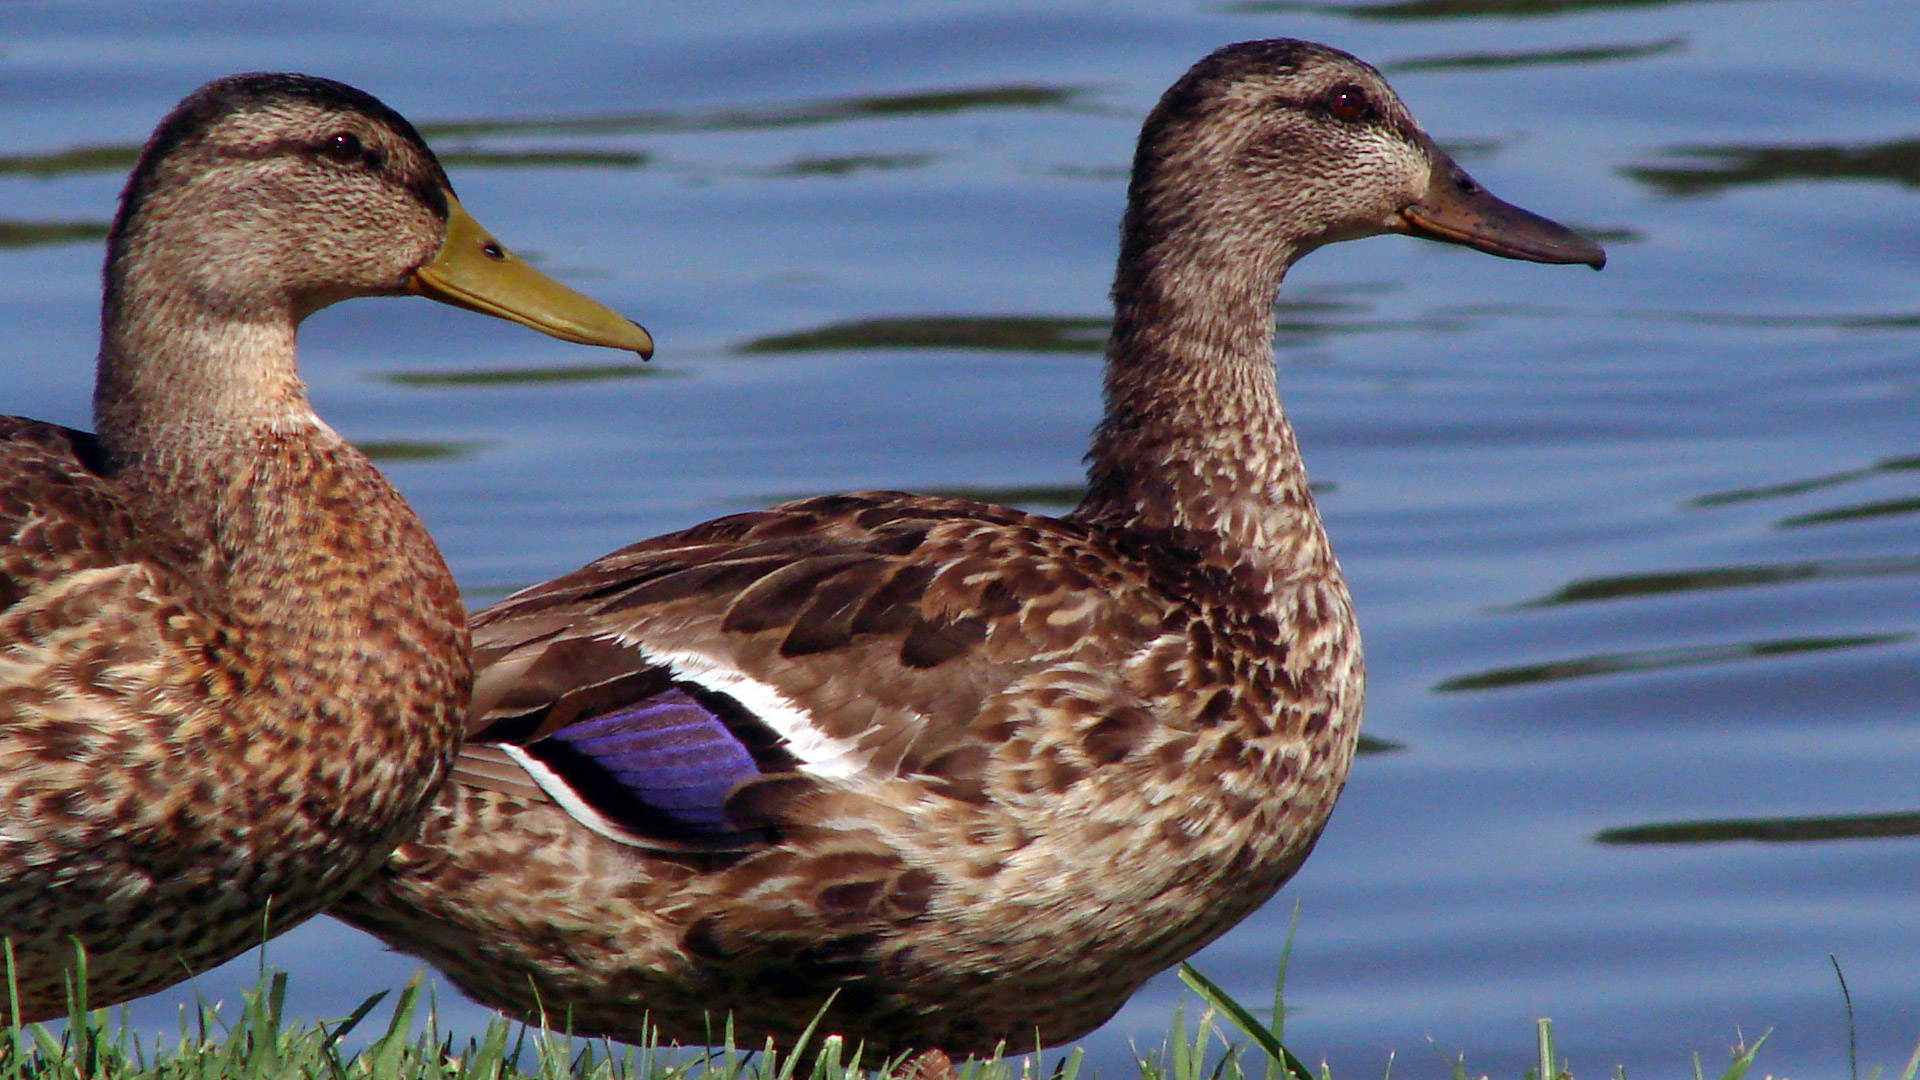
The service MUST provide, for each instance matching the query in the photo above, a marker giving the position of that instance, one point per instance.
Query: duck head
(1266, 150)
(266, 196)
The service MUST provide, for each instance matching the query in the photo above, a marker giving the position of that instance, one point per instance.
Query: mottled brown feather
(179, 742)
(233, 667)
(1051, 757)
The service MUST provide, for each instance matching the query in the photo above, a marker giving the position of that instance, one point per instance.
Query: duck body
(948, 775)
(233, 666)
(1002, 812)
(190, 761)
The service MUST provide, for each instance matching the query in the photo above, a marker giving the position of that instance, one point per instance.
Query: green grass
(259, 1042)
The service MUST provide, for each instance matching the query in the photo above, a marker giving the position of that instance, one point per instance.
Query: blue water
(1631, 549)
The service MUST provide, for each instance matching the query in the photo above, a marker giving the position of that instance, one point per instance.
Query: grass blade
(1853, 1041)
(1237, 1013)
(1742, 1058)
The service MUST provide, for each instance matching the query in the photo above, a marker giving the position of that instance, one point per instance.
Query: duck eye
(342, 146)
(1349, 103)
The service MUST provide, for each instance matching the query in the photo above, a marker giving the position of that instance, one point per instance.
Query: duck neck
(208, 435)
(185, 371)
(1194, 439)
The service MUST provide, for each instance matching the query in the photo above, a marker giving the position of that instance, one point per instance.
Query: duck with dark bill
(946, 775)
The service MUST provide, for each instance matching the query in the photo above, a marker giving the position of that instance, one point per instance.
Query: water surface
(1635, 552)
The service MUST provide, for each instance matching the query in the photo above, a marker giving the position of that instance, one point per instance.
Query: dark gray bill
(1457, 210)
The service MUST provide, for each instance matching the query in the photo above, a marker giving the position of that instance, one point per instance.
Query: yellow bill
(476, 272)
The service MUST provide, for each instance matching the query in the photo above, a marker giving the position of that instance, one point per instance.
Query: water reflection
(1769, 830)
(524, 376)
(120, 157)
(1658, 659)
(1370, 745)
(800, 114)
(1004, 333)
(26, 234)
(1899, 321)
(848, 164)
(1465, 149)
(1744, 320)
(1536, 57)
(1729, 166)
(542, 159)
(418, 450)
(1103, 173)
(1626, 586)
(1874, 509)
(1449, 9)
(1296, 322)
(1815, 483)
(1877, 509)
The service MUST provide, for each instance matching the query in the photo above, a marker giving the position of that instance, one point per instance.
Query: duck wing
(67, 535)
(660, 690)
(96, 639)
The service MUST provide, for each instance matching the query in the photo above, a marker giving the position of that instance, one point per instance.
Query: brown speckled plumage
(1006, 766)
(232, 664)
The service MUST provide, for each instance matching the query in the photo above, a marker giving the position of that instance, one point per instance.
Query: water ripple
(1414, 10)
(27, 234)
(1619, 663)
(1669, 582)
(1485, 61)
(525, 376)
(1814, 483)
(1728, 166)
(1767, 830)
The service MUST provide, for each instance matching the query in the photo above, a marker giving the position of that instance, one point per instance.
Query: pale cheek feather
(1411, 163)
(819, 753)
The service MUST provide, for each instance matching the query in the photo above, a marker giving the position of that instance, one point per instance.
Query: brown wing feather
(890, 618)
(99, 635)
(56, 515)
